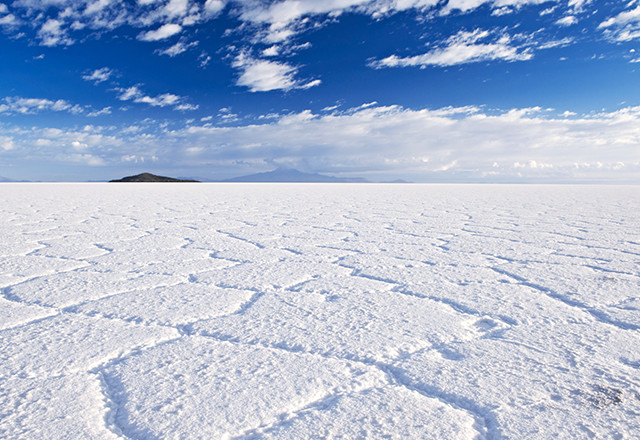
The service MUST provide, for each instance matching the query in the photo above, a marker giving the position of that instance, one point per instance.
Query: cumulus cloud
(99, 75)
(52, 33)
(135, 94)
(265, 75)
(162, 33)
(6, 143)
(462, 48)
(8, 20)
(29, 106)
(212, 7)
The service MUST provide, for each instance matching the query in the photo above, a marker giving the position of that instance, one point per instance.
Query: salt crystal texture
(289, 311)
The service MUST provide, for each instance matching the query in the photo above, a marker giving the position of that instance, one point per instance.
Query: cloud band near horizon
(448, 144)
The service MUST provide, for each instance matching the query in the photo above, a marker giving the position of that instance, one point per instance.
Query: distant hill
(6, 179)
(292, 175)
(398, 181)
(148, 177)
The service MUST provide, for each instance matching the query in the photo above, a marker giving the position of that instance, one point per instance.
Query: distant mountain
(6, 179)
(292, 175)
(148, 177)
(398, 181)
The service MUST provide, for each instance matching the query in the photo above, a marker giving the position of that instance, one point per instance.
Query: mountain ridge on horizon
(282, 174)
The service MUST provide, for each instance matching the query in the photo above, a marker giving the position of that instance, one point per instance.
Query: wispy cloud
(177, 49)
(470, 5)
(568, 20)
(623, 27)
(462, 48)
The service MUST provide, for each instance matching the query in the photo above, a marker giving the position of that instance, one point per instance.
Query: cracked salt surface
(247, 311)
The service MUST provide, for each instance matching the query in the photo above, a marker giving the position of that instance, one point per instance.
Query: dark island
(148, 177)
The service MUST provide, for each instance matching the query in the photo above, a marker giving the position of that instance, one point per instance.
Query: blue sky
(425, 90)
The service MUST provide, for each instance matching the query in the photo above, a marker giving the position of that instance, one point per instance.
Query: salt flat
(290, 311)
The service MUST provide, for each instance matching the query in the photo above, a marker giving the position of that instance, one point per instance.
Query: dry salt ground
(279, 311)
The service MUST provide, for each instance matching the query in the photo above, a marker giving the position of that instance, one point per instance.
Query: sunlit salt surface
(292, 311)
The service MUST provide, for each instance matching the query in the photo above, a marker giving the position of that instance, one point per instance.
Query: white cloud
(556, 43)
(448, 143)
(569, 20)
(129, 93)
(77, 145)
(29, 106)
(548, 11)
(97, 6)
(271, 51)
(159, 101)
(214, 6)
(502, 11)
(85, 159)
(623, 27)
(273, 22)
(265, 75)
(270, 21)
(281, 13)
(162, 33)
(99, 75)
(464, 47)
(281, 20)
(6, 143)
(51, 33)
(470, 5)
(177, 49)
(433, 142)
(631, 16)
(104, 111)
(136, 95)
(186, 107)
(176, 8)
(8, 20)
(578, 5)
